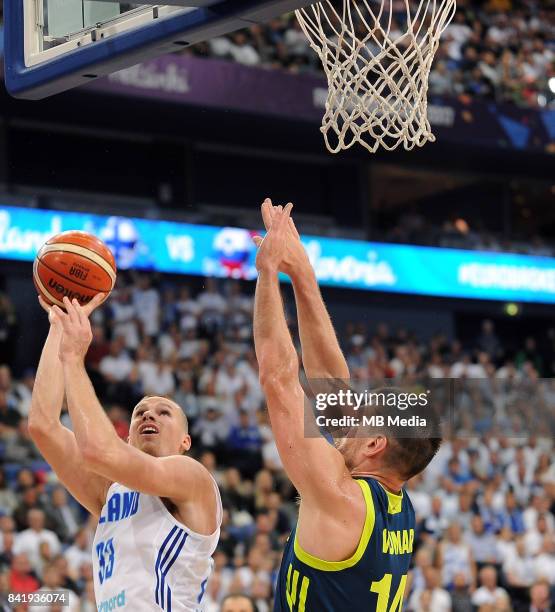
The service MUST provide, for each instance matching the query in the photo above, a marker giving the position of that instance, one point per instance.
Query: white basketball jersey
(144, 559)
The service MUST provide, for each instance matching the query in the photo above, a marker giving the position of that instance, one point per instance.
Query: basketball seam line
(77, 250)
(73, 281)
(44, 291)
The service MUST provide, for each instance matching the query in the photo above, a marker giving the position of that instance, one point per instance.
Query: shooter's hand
(77, 333)
(88, 308)
(295, 259)
(273, 246)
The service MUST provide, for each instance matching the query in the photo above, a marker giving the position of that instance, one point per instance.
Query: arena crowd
(485, 536)
(501, 50)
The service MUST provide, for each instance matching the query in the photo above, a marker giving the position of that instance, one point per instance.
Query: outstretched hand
(272, 248)
(295, 257)
(76, 328)
(87, 308)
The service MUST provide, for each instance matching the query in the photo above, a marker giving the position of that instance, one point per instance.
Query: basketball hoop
(377, 56)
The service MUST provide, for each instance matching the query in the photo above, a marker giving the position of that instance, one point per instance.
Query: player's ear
(185, 443)
(375, 445)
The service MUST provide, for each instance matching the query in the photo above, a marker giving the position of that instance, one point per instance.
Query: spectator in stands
(29, 540)
(8, 328)
(67, 578)
(52, 581)
(244, 443)
(79, 552)
(123, 319)
(99, 348)
(22, 391)
(19, 445)
(9, 415)
(518, 567)
(238, 603)
(88, 603)
(488, 340)
(432, 596)
(455, 557)
(62, 516)
(461, 600)
(119, 419)
(211, 429)
(154, 373)
(146, 300)
(119, 373)
(8, 498)
(6, 549)
(30, 499)
(436, 522)
(483, 545)
(212, 306)
(511, 514)
(544, 563)
(540, 600)
(535, 536)
(489, 593)
(22, 577)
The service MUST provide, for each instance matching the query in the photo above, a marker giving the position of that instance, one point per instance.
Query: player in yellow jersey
(354, 539)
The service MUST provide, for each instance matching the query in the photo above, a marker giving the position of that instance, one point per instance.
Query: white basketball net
(377, 69)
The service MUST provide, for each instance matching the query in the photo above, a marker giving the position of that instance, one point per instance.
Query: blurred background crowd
(485, 506)
(501, 50)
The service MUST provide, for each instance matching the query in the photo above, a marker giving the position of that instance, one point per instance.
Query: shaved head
(159, 427)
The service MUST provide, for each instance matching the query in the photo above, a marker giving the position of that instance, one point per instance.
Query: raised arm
(315, 467)
(321, 353)
(177, 477)
(56, 443)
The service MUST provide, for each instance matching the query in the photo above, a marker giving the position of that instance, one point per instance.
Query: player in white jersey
(159, 511)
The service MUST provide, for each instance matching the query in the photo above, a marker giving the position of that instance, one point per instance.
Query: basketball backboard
(54, 45)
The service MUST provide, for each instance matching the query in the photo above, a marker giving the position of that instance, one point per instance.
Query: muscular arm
(315, 467)
(56, 443)
(176, 477)
(321, 353)
(180, 478)
(322, 356)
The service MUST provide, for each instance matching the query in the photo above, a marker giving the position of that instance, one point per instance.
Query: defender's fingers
(293, 228)
(284, 216)
(287, 210)
(257, 240)
(267, 213)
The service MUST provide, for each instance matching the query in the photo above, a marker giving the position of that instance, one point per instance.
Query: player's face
(157, 428)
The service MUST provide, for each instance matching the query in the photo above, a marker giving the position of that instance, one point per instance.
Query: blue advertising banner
(182, 248)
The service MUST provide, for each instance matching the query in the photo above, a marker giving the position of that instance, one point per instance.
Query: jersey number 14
(383, 589)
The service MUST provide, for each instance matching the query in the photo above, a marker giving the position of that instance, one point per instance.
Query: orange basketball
(76, 264)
